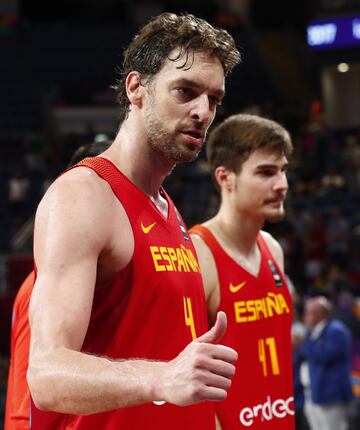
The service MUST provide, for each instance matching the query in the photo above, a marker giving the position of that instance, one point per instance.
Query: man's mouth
(194, 137)
(276, 201)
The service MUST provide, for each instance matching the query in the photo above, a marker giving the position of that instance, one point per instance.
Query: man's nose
(201, 111)
(281, 183)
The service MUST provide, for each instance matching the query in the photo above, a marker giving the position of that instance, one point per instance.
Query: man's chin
(176, 154)
(187, 154)
(275, 217)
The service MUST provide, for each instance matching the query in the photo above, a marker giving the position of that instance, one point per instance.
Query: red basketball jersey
(18, 396)
(259, 323)
(152, 309)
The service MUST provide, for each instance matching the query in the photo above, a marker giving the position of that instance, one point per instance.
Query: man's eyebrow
(271, 166)
(190, 83)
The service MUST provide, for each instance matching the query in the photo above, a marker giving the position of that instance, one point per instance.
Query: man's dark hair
(150, 48)
(231, 143)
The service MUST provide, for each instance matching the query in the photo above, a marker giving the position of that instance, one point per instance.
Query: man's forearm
(76, 383)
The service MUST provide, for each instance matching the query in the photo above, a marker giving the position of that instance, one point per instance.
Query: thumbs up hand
(216, 332)
(202, 371)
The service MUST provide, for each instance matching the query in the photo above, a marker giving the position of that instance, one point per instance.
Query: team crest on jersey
(182, 226)
(275, 274)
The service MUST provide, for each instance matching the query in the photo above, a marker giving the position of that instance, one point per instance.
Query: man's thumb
(217, 331)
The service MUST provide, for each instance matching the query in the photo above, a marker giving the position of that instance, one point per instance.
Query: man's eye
(215, 101)
(185, 92)
(266, 173)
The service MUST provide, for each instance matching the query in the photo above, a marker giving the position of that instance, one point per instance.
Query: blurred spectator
(351, 163)
(336, 281)
(35, 156)
(325, 374)
(337, 232)
(306, 184)
(315, 252)
(300, 218)
(345, 310)
(332, 183)
(89, 150)
(18, 193)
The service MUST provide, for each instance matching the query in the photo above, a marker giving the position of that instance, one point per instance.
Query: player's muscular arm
(73, 227)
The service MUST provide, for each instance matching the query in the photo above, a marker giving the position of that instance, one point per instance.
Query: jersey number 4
(189, 317)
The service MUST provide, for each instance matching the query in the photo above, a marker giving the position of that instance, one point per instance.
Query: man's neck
(236, 231)
(317, 329)
(238, 239)
(131, 153)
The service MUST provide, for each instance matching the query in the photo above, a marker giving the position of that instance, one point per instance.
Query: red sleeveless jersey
(17, 395)
(152, 309)
(259, 323)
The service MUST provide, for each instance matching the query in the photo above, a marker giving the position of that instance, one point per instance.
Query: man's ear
(225, 178)
(134, 88)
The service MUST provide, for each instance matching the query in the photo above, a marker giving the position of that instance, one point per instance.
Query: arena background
(58, 60)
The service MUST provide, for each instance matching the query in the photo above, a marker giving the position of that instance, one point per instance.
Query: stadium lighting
(343, 67)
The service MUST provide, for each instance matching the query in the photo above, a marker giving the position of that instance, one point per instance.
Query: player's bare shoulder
(78, 190)
(80, 198)
(81, 207)
(274, 247)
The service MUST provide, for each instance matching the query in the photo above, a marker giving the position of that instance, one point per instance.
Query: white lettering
(281, 412)
(287, 402)
(266, 411)
(246, 417)
(321, 34)
(256, 409)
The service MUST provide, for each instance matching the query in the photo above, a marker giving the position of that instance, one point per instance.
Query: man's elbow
(40, 393)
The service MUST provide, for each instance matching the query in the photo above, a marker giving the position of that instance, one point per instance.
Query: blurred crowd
(320, 235)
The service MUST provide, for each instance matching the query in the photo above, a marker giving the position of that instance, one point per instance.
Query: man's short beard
(165, 146)
(273, 219)
(163, 142)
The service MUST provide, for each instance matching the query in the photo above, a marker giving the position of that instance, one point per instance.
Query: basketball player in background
(242, 268)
